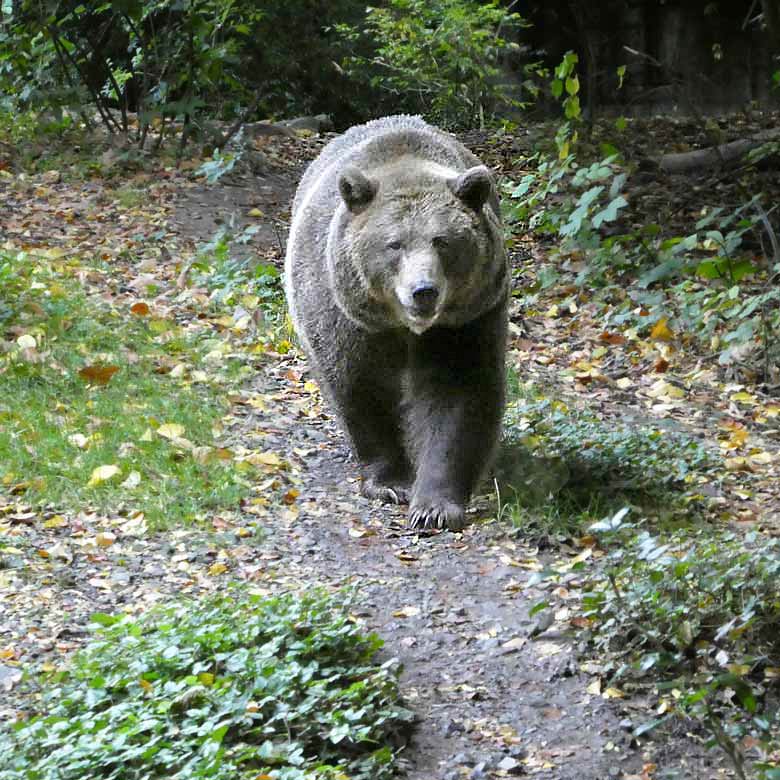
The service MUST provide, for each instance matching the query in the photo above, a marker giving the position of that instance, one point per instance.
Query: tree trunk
(772, 21)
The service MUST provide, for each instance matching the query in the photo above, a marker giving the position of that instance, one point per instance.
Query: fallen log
(724, 156)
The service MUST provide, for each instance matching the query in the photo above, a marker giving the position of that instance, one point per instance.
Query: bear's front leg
(455, 404)
(367, 394)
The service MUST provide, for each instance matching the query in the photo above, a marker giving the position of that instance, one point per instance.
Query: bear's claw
(438, 514)
(389, 494)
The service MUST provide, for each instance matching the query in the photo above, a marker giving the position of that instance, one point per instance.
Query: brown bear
(397, 281)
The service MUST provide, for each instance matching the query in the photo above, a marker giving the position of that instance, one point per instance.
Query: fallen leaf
(739, 464)
(612, 338)
(105, 539)
(661, 331)
(98, 374)
(290, 496)
(133, 480)
(514, 644)
(140, 309)
(171, 431)
(103, 474)
(407, 612)
(595, 687)
(78, 440)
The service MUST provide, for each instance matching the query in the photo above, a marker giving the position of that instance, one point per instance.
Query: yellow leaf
(255, 213)
(147, 435)
(613, 693)
(661, 331)
(103, 474)
(661, 388)
(58, 521)
(744, 398)
(266, 458)
(762, 457)
(105, 539)
(146, 685)
(171, 431)
(737, 438)
(407, 612)
(738, 464)
(217, 568)
(595, 687)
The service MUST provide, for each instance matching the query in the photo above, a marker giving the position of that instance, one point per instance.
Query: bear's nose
(424, 296)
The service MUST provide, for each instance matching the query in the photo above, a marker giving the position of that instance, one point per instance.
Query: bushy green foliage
(709, 283)
(698, 616)
(232, 687)
(177, 65)
(437, 58)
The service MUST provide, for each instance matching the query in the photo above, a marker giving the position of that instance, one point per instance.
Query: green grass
(560, 469)
(56, 427)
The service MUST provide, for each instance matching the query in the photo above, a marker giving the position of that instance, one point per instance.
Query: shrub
(437, 58)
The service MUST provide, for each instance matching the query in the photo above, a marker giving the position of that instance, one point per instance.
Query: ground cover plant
(695, 616)
(233, 686)
(715, 281)
(105, 407)
(561, 468)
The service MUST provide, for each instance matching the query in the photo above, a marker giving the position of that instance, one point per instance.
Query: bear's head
(418, 245)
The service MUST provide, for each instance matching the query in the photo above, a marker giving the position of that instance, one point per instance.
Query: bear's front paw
(437, 513)
(389, 494)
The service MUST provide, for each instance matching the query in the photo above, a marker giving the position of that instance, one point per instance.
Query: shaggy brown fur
(397, 280)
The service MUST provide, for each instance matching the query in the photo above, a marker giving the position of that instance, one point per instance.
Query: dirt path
(492, 701)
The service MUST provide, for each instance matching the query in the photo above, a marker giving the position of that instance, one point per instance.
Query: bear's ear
(474, 187)
(356, 188)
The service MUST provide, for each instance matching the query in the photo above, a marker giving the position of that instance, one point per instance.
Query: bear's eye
(441, 242)
(394, 246)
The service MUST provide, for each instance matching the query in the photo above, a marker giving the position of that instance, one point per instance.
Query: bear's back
(380, 141)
